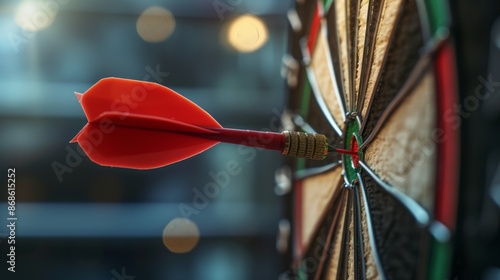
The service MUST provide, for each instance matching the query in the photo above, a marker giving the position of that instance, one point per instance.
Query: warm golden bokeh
(155, 24)
(247, 33)
(181, 235)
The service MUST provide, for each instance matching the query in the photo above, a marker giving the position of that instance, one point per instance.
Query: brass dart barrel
(306, 145)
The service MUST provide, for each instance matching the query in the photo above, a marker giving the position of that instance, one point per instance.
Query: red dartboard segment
(315, 26)
(448, 143)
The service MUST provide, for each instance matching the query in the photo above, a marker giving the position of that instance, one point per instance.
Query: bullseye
(354, 148)
(352, 142)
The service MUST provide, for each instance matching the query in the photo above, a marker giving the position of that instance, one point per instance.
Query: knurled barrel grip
(305, 145)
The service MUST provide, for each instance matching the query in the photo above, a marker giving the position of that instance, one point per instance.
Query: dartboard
(376, 77)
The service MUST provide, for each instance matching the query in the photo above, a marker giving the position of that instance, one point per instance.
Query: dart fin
(141, 125)
(109, 144)
(126, 96)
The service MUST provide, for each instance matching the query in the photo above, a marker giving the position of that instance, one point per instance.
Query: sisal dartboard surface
(370, 75)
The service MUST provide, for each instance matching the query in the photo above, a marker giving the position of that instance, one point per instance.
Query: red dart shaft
(342, 151)
(259, 139)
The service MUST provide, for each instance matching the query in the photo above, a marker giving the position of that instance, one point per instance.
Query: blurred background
(78, 220)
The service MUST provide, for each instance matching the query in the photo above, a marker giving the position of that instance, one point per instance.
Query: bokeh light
(181, 235)
(34, 16)
(155, 24)
(247, 33)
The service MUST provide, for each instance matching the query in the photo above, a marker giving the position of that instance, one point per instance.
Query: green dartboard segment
(352, 135)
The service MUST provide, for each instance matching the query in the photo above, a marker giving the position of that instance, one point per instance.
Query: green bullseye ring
(352, 140)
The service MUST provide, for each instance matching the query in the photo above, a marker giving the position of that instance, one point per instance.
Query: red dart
(144, 125)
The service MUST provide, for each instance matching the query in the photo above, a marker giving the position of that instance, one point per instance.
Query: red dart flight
(144, 125)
